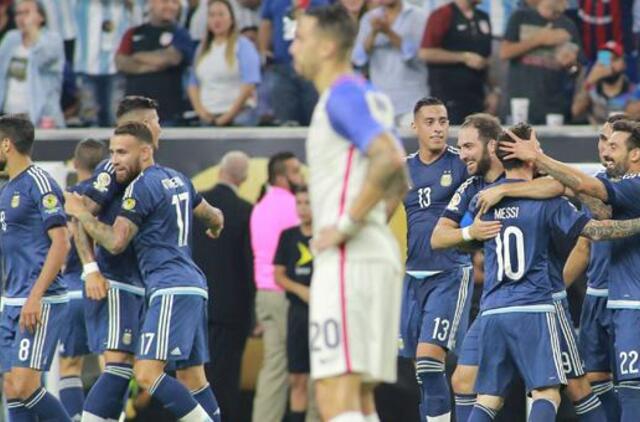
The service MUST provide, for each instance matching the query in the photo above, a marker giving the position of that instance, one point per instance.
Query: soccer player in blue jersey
(156, 217)
(114, 299)
(438, 284)
(623, 156)
(35, 242)
(74, 344)
(596, 330)
(517, 325)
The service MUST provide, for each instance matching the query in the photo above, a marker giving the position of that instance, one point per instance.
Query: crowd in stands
(227, 62)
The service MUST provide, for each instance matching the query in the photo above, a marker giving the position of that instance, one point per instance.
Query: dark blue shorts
(31, 350)
(572, 362)
(470, 348)
(626, 326)
(435, 310)
(596, 334)
(175, 330)
(73, 336)
(114, 323)
(518, 342)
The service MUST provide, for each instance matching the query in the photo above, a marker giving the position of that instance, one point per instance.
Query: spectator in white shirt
(225, 73)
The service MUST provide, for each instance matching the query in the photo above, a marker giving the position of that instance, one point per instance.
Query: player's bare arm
(56, 258)
(611, 229)
(96, 285)
(577, 262)
(298, 289)
(540, 188)
(448, 234)
(570, 177)
(114, 239)
(599, 209)
(211, 217)
(394, 195)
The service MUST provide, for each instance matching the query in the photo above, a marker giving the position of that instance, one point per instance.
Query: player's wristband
(90, 268)
(466, 234)
(347, 226)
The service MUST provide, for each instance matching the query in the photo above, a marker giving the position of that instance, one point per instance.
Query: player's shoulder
(41, 180)
(349, 87)
(80, 187)
(631, 177)
(473, 182)
(290, 232)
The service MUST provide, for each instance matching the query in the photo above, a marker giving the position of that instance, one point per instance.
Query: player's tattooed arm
(211, 217)
(572, 178)
(577, 262)
(115, 238)
(599, 209)
(611, 229)
(395, 193)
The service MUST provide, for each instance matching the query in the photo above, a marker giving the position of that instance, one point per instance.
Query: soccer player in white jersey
(357, 178)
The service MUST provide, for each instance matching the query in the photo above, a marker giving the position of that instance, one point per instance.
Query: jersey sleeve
(48, 195)
(565, 218)
(459, 203)
(280, 258)
(137, 202)
(103, 187)
(356, 113)
(623, 193)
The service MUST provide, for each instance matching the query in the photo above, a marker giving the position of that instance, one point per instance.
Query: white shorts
(354, 318)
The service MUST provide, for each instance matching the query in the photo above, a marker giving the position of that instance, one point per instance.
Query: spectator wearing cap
(153, 58)
(388, 41)
(31, 65)
(606, 89)
(292, 98)
(103, 24)
(542, 46)
(226, 71)
(456, 46)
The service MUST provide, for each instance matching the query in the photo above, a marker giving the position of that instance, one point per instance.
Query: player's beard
(484, 164)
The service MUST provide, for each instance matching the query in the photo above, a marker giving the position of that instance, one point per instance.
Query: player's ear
(492, 146)
(634, 155)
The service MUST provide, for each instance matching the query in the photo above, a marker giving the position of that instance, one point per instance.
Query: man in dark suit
(228, 265)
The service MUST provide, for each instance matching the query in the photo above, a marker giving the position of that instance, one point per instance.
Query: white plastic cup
(555, 119)
(520, 110)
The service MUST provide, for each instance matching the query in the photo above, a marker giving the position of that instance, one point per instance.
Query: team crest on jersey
(15, 200)
(446, 179)
(102, 182)
(49, 201)
(455, 202)
(129, 204)
(127, 337)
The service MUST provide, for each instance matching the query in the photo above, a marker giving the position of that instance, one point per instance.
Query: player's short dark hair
(522, 131)
(135, 103)
(632, 128)
(617, 117)
(276, 166)
(488, 126)
(19, 130)
(89, 153)
(427, 102)
(334, 21)
(140, 131)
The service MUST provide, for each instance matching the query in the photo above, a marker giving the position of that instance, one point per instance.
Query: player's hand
(598, 71)
(96, 286)
(484, 230)
(489, 197)
(214, 233)
(30, 314)
(474, 61)
(73, 204)
(521, 149)
(329, 237)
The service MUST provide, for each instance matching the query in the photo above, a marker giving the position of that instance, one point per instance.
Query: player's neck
(493, 173)
(83, 175)
(520, 173)
(331, 71)
(306, 229)
(428, 156)
(147, 164)
(634, 168)
(17, 165)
